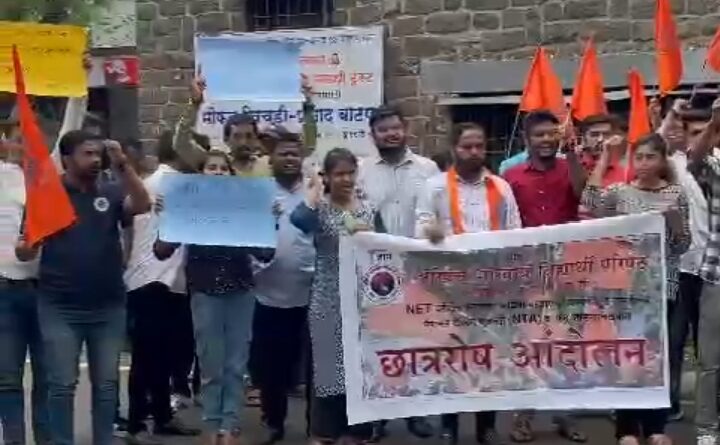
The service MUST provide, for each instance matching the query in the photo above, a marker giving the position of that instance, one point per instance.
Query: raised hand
(159, 204)
(680, 105)
(715, 119)
(118, 159)
(314, 190)
(612, 144)
(306, 87)
(198, 87)
(655, 111)
(277, 208)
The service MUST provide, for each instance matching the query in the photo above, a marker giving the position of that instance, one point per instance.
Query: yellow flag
(52, 58)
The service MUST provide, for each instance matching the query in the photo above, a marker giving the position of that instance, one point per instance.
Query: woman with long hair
(220, 279)
(652, 189)
(332, 209)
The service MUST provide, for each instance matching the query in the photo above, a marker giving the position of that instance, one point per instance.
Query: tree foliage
(79, 12)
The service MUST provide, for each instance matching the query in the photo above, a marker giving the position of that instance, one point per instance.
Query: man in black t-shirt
(82, 294)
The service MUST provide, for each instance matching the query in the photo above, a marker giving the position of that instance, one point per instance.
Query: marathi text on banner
(345, 69)
(51, 56)
(563, 317)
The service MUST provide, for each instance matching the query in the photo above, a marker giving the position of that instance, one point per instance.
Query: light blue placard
(237, 69)
(218, 210)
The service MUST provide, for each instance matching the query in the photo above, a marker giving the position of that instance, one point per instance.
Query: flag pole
(508, 146)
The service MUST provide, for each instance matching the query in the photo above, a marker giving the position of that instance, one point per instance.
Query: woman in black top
(220, 279)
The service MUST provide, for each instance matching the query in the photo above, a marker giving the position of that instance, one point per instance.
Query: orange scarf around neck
(494, 200)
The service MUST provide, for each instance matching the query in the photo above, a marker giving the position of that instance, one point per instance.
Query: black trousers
(484, 421)
(276, 351)
(329, 420)
(648, 422)
(183, 345)
(684, 317)
(640, 423)
(151, 340)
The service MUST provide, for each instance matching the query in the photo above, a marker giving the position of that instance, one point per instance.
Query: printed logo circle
(101, 204)
(382, 285)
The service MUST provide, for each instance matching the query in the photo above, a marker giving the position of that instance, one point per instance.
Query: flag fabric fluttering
(588, 96)
(668, 49)
(48, 209)
(712, 58)
(543, 89)
(639, 122)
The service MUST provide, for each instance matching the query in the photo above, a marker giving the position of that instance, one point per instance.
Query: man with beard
(548, 191)
(282, 291)
(242, 137)
(546, 187)
(81, 289)
(392, 182)
(468, 198)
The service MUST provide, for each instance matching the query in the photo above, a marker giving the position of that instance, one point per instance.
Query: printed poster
(550, 318)
(345, 68)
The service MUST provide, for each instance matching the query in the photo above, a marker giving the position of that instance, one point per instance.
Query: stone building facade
(417, 31)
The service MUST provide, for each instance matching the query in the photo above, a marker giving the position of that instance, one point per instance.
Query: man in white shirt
(392, 181)
(467, 198)
(19, 329)
(153, 288)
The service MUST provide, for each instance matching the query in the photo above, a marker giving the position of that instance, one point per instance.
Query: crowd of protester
(271, 317)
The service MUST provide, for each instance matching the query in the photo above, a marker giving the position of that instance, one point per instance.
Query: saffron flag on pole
(588, 96)
(543, 89)
(47, 206)
(639, 124)
(667, 48)
(712, 58)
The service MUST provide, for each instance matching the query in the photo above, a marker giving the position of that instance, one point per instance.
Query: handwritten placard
(218, 210)
(270, 69)
(51, 56)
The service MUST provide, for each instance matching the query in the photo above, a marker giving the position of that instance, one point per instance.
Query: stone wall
(165, 43)
(416, 30)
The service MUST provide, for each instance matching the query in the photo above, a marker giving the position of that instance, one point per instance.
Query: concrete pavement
(598, 427)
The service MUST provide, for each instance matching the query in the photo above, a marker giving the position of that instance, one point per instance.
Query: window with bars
(283, 14)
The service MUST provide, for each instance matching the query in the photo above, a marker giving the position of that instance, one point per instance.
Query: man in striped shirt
(707, 170)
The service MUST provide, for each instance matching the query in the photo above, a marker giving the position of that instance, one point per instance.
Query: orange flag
(543, 89)
(668, 48)
(712, 58)
(47, 206)
(639, 116)
(588, 98)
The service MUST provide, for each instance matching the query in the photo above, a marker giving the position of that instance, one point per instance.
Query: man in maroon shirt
(547, 190)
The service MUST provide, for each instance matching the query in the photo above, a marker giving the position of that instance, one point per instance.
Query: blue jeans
(63, 336)
(19, 331)
(223, 330)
